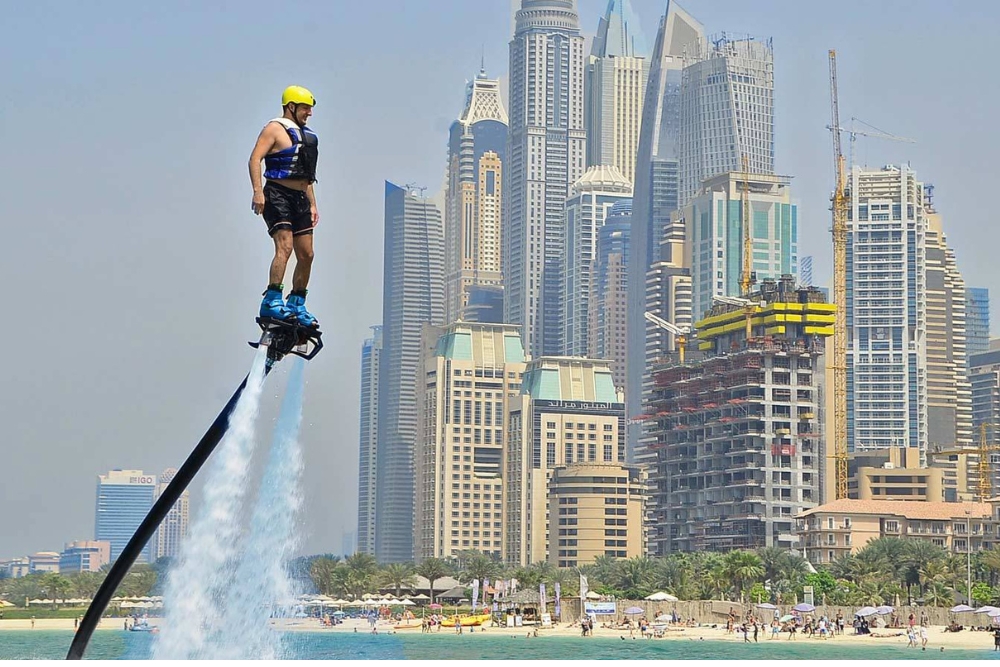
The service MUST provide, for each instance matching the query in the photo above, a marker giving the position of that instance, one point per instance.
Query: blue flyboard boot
(273, 305)
(297, 305)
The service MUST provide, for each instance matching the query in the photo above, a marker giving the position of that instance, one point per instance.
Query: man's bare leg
(303, 245)
(282, 251)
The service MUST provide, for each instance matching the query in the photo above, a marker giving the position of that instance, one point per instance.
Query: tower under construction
(732, 442)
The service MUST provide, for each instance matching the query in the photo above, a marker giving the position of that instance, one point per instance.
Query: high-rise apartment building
(806, 271)
(607, 313)
(977, 320)
(568, 412)
(124, 498)
(546, 155)
(615, 88)
(590, 202)
(984, 377)
(949, 394)
(887, 313)
(371, 351)
(595, 510)
(656, 184)
(469, 373)
(412, 296)
(714, 230)
(727, 110)
(732, 446)
(477, 150)
(174, 526)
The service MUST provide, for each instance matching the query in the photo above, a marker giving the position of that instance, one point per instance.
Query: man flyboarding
(287, 201)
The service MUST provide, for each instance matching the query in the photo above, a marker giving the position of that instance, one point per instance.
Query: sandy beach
(937, 637)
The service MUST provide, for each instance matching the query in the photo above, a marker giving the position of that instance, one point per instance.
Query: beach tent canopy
(632, 611)
(407, 602)
(661, 596)
(984, 609)
(591, 595)
(456, 593)
(958, 609)
(884, 610)
(4, 603)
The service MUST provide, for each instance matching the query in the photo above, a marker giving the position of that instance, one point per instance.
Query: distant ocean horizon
(120, 645)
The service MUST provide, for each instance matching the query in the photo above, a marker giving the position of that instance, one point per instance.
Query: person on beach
(923, 636)
(996, 639)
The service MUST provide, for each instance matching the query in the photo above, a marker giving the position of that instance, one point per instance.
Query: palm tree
(86, 584)
(54, 584)
(397, 575)
(480, 566)
(322, 571)
(635, 576)
(432, 569)
(743, 567)
(772, 559)
(938, 595)
(361, 572)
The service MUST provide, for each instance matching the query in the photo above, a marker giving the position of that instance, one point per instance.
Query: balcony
(783, 450)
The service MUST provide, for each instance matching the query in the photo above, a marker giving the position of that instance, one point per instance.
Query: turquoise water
(114, 644)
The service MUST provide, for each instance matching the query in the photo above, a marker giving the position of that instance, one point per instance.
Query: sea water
(498, 644)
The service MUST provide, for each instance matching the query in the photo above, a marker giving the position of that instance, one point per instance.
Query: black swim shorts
(285, 208)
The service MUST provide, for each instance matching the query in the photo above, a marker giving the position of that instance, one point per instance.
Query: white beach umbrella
(407, 602)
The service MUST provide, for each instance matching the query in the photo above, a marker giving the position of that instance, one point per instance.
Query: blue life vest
(298, 161)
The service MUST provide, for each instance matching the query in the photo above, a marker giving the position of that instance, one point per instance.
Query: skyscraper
(371, 352)
(714, 230)
(806, 271)
(477, 150)
(949, 394)
(607, 311)
(615, 88)
(412, 296)
(727, 110)
(977, 320)
(467, 374)
(588, 206)
(887, 315)
(656, 183)
(547, 154)
(174, 527)
(124, 497)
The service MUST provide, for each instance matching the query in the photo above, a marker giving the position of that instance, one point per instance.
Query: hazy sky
(133, 266)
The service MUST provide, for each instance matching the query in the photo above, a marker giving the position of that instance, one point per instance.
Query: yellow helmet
(297, 95)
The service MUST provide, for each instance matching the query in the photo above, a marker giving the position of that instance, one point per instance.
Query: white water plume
(198, 582)
(261, 584)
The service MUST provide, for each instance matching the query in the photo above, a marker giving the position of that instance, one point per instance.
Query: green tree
(983, 593)
(322, 572)
(397, 576)
(56, 586)
(758, 593)
(86, 584)
(432, 569)
(743, 567)
(478, 565)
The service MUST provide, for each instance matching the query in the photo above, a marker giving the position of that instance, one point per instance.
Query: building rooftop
(903, 508)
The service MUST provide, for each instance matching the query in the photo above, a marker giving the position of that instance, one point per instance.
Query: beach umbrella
(435, 605)
(591, 595)
(4, 603)
(785, 618)
(661, 596)
(993, 614)
(407, 602)
(984, 609)
(766, 605)
(883, 610)
(662, 618)
(866, 611)
(632, 611)
(958, 609)
(804, 606)
(421, 597)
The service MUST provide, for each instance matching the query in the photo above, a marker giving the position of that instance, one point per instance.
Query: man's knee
(283, 244)
(304, 252)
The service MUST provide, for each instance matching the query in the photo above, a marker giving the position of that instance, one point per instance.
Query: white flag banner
(541, 597)
(475, 594)
(583, 587)
(558, 600)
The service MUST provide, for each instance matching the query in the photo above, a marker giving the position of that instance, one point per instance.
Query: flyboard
(281, 338)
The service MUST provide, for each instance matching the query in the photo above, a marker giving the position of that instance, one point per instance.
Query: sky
(133, 266)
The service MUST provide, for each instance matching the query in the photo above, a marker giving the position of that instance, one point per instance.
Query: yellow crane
(680, 333)
(985, 477)
(748, 276)
(839, 365)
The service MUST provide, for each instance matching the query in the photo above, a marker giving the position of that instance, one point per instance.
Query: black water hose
(150, 524)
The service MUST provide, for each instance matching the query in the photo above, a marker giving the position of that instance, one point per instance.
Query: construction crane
(985, 478)
(680, 333)
(877, 134)
(749, 308)
(748, 277)
(839, 365)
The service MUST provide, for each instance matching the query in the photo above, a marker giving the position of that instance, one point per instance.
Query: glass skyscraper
(977, 320)
(124, 498)
(368, 441)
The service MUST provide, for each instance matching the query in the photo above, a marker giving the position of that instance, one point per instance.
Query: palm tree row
(886, 571)
(139, 582)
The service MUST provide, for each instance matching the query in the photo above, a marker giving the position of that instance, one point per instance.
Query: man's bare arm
(265, 142)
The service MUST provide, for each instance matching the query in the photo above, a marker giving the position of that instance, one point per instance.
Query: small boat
(471, 621)
(144, 626)
(406, 626)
